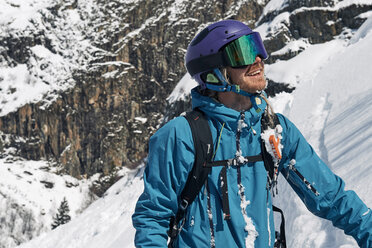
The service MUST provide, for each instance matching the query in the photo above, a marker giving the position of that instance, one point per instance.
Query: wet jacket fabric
(171, 157)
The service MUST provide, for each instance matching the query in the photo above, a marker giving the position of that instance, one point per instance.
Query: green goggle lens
(243, 51)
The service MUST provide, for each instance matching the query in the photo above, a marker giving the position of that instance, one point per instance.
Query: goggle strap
(206, 63)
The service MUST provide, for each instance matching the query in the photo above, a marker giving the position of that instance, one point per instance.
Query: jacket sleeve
(171, 156)
(321, 190)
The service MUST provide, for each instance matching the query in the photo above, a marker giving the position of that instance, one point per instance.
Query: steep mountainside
(131, 56)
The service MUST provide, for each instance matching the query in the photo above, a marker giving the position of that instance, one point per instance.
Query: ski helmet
(223, 43)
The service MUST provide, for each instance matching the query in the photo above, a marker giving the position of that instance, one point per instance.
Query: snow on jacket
(171, 157)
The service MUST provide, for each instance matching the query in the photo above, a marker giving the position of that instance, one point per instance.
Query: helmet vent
(200, 37)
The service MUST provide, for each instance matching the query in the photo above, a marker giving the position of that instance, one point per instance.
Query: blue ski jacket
(171, 157)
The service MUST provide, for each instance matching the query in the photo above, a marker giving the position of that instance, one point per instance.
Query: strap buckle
(237, 161)
(183, 205)
(232, 162)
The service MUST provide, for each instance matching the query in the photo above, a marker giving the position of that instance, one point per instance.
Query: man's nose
(258, 59)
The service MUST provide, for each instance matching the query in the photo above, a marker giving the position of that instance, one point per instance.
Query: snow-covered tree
(62, 216)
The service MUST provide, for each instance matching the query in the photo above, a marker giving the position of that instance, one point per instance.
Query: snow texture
(210, 217)
(106, 222)
(182, 89)
(30, 194)
(293, 46)
(332, 107)
(48, 67)
(266, 134)
(250, 228)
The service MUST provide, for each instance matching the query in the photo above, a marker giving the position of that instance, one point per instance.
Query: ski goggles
(243, 51)
(238, 53)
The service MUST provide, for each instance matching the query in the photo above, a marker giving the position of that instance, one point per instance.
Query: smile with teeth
(254, 73)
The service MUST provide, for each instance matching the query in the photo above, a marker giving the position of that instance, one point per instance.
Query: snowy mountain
(331, 105)
(83, 85)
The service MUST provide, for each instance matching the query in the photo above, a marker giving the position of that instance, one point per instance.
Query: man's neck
(234, 101)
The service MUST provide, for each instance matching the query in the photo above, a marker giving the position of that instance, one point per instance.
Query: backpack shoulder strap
(203, 145)
(271, 162)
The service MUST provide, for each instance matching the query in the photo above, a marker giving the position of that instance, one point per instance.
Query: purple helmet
(206, 51)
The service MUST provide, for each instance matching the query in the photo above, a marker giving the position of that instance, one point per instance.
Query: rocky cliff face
(129, 57)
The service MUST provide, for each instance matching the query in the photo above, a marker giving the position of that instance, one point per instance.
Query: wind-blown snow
(331, 106)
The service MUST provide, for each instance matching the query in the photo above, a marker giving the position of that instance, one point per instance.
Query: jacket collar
(216, 110)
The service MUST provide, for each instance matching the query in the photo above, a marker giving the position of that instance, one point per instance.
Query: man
(226, 59)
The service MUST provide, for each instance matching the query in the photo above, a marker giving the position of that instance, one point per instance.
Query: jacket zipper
(303, 179)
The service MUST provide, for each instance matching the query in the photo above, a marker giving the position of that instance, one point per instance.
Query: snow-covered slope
(30, 194)
(106, 223)
(331, 106)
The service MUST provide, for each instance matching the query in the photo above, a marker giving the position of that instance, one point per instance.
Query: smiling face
(250, 78)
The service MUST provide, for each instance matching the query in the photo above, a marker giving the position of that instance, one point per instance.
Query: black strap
(203, 144)
(225, 194)
(206, 63)
(280, 240)
(234, 161)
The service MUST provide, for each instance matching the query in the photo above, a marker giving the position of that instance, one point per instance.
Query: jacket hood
(216, 110)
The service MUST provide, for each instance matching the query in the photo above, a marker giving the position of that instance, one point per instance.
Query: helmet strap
(224, 85)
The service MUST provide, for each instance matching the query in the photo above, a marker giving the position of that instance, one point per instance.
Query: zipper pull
(253, 131)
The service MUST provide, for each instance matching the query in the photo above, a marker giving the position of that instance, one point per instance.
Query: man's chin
(256, 89)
